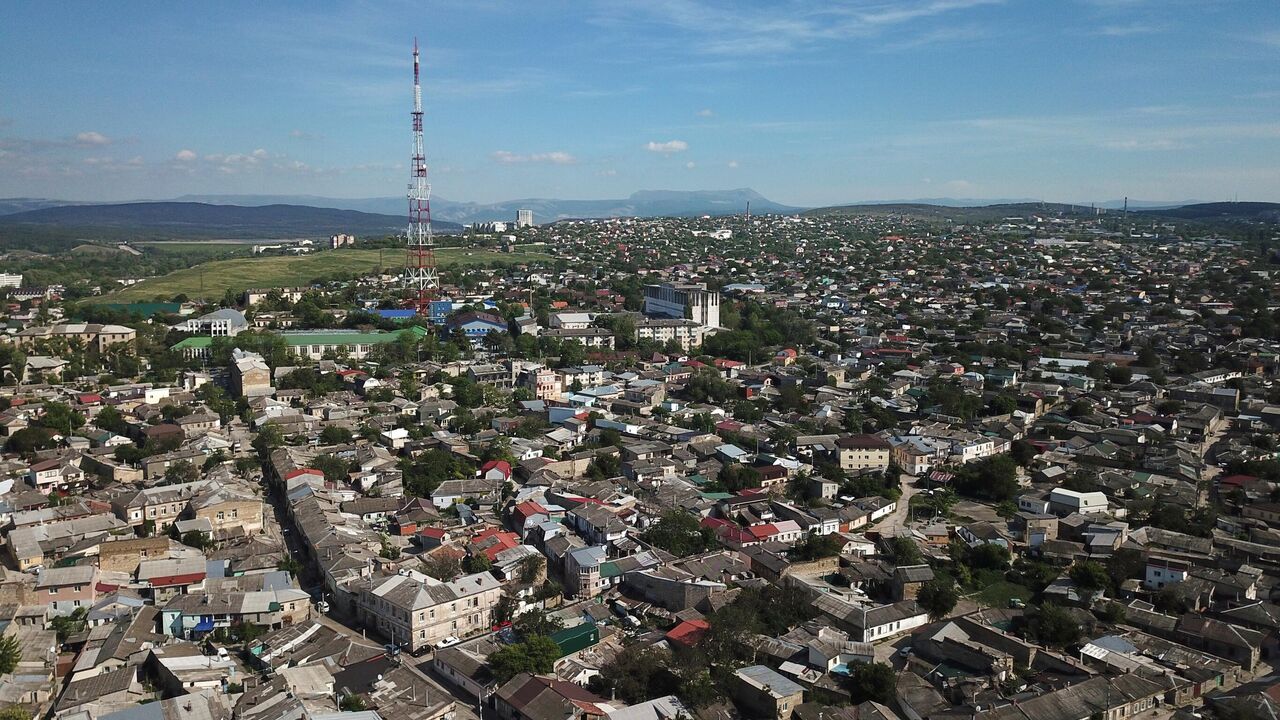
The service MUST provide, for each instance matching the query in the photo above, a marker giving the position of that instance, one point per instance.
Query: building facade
(681, 301)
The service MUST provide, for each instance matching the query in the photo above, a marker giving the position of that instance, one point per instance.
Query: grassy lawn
(998, 594)
(283, 271)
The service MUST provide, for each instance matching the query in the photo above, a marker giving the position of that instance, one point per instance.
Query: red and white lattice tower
(420, 265)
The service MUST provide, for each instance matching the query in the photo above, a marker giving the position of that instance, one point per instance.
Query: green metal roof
(320, 338)
(576, 638)
(193, 342)
(145, 309)
(610, 569)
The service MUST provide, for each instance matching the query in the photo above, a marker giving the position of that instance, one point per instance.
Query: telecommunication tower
(420, 264)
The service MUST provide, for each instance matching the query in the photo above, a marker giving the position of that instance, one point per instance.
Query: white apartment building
(683, 301)
(688, 333)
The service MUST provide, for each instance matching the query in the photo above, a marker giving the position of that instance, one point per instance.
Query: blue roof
(391, 314)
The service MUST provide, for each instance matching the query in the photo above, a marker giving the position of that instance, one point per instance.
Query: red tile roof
(689, 632)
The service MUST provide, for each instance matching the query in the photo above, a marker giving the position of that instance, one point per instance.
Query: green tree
(993, 478)
(505, 609)
(110, 419)
(17, 712)
(939, 597)
(181, 472)
(29, 439)
(815, 547)
(680, 534)
(736, 476)
(268, 438)
(536, 655)
(197, 539)
(1053, 626)
(442, 566)
(477, 563)
(67, 625)
(1090, 576)
(10, 654)
(904, 551)
(989, 556)
(638, 674)
(336, 435)
(60, 417)
(872, 681)
(531, 568)
(536, 622)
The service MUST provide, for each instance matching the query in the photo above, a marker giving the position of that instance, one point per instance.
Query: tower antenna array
(420, 263)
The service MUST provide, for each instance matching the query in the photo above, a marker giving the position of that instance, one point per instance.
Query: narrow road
(896, 521)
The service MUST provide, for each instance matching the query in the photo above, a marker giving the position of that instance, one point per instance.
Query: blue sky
(809, 103)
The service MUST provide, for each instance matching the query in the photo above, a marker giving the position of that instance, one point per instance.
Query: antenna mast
(420, 263)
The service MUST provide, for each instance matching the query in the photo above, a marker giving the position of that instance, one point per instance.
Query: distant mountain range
(980, 202)
(189, 219)
(1222, 211)
(646, 203)
(986, 213)
(276, 216)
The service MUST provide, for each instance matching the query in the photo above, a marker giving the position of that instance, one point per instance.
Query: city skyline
(810, 105)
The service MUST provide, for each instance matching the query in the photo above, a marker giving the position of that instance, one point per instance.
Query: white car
(447, 642)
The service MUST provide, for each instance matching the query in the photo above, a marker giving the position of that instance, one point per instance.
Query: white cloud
(608, 173)
(689, 165)
(668, 147)
(1127, 30)
(746, 30)
(185, 155)
(304, 135)
(705, 113)
(557, 157)
(92, 137)
(733, 163)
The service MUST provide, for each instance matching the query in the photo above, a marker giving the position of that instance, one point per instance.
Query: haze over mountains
(187, 219)
(273, 216)
(645, 203)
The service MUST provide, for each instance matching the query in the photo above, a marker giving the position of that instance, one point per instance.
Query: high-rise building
(524, 218)
(692, 301)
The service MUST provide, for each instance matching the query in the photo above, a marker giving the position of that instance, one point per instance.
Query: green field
(212, 279)
(998, 594)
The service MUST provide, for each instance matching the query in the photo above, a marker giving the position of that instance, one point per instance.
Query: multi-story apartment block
(683, 301)
(544, 383)
(688, 333)
(415, 610)
(100, 337)
(161, 505)
(863, 453)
